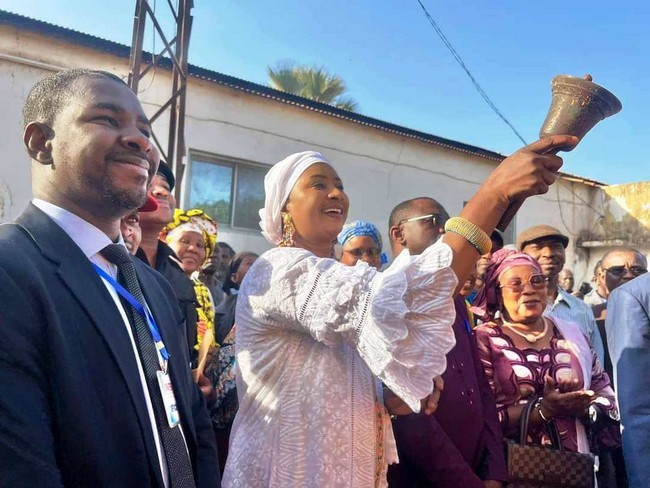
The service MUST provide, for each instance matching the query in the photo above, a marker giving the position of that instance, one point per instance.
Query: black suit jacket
(72, 409)
(183, 288)
(461, 444)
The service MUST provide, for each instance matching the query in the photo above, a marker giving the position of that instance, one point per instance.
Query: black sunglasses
(620, 270)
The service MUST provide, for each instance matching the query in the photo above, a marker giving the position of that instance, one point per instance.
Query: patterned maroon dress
(517, 375)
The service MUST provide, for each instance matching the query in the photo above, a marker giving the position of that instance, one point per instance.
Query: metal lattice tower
(172, 56)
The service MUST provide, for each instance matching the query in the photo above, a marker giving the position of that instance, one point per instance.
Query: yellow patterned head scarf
(195, 220)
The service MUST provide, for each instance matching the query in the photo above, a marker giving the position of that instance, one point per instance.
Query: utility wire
(599, 213)
(467, 71)
(487, 99)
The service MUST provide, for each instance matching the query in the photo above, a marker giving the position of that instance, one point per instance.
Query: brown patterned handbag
(541, 466)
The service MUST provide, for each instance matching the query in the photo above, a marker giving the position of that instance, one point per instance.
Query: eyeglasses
(538, 282)
(358, 253)
(620, 270)
(435, 219)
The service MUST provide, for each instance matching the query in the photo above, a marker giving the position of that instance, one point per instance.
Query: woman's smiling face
(524, 294)
(189, 246)
(318, 205)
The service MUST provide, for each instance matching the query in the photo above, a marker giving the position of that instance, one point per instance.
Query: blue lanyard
(146, 314)
(468, 327)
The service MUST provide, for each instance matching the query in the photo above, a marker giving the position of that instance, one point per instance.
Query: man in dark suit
(162, 258)
(80, 405)
(461, 445)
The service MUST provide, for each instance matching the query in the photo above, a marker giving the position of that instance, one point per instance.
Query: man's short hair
(599, 263)
(626, 250)
(225, 245)
(52, 93)
(497, 235)
(403, 210)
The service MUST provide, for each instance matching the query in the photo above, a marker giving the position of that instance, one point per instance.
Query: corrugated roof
(121, 50)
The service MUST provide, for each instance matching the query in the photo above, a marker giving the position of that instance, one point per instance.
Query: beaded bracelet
(471, 232)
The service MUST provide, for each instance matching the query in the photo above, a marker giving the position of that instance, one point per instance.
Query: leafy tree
(311, 82)
(219, 210)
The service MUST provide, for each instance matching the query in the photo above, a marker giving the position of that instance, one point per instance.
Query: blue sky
(398, 69)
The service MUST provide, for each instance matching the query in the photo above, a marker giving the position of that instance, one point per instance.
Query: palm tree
(313, 83)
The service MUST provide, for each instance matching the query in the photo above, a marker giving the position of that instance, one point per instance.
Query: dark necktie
(178, 461)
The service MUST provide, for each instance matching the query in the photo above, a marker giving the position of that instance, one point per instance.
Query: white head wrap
(278, 183)
(185, 227)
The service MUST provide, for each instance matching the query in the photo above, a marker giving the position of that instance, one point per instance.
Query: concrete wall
(624, 221)
(379, 168)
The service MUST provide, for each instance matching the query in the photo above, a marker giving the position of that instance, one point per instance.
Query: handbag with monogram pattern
(544, 466)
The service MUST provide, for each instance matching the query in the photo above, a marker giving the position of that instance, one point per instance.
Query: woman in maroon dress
(531, 358)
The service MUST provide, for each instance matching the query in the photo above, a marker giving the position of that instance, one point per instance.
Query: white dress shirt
(91, 241)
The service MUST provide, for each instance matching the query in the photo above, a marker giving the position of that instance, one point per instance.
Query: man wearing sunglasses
(628, 333)
(622, 265)
(461, 443)
(618, 266)
(547, 245)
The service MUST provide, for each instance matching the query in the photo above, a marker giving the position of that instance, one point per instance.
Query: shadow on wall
(626, 218)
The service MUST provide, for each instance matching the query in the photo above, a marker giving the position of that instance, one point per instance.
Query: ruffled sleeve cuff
(404, 329)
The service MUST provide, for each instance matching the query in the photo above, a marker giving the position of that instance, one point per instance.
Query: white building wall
(379, 169)
(567, 206)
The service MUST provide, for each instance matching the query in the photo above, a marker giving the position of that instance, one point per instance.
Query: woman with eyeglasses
(361, 241)
(531, 358)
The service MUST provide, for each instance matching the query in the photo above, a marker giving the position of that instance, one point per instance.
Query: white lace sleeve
(400, 320)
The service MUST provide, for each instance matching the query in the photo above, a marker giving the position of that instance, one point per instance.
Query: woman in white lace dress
(320, 343)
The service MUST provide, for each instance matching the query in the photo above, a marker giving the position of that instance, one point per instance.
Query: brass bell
(578, 104)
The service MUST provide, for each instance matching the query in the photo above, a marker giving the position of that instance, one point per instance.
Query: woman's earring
(288, 229)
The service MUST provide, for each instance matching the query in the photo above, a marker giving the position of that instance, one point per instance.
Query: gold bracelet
(471, 232)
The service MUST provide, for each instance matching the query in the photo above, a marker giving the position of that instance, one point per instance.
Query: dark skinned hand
(564, 399)
(529, 171)
(211, 265)
(207, 389)
(430, 403)
(396, 406)
(492, 484)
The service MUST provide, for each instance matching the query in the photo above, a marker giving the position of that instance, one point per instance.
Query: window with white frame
(231, 192)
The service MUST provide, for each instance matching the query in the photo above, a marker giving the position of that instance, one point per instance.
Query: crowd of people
(139, 350)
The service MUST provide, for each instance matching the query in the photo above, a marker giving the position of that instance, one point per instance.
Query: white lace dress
(315, 340)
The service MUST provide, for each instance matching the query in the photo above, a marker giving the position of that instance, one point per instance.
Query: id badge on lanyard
(164, 381)
(168, 398)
